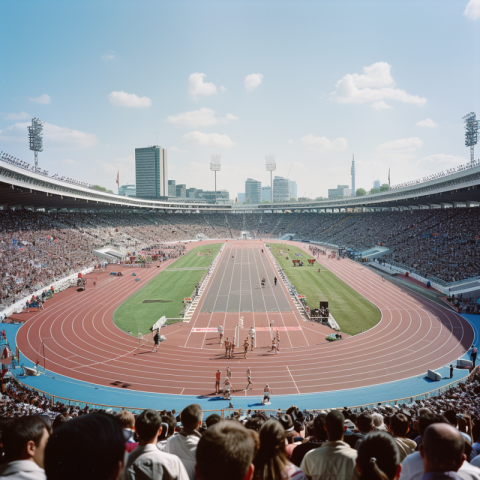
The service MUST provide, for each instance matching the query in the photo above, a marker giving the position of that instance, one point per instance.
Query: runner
(229, 373)
(274, 345)
(232, 349)
(227, 348)
(227, 386)
(252, 336)
(267, 391)
(275, 280)
(217, 382)
(245, 348)
(263, 282)
(278, 341)
(249, 379)
(220, 331)
(156, 341)
(94, 285)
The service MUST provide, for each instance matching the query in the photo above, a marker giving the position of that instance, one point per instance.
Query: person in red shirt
(217, 382)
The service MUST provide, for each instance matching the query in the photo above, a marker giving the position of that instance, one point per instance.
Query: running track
(82, 342)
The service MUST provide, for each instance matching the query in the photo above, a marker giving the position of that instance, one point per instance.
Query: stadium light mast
(471, 129)
(215, 165)
(35, 138)
(271, 166)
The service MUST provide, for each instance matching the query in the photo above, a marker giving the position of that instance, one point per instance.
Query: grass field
(352, 311)
(167, 290)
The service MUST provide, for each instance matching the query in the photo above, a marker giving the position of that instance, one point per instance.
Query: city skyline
(397, 104)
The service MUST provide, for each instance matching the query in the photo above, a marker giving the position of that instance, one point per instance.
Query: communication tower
(35, 138)
(215, 165)
(271, 166)
(471, 130)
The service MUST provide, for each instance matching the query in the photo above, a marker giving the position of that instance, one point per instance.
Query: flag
(389, 177)
(118, 178)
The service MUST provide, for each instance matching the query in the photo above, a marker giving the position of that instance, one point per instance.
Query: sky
(312, 82)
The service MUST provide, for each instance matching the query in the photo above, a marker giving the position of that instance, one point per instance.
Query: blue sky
(311, 82)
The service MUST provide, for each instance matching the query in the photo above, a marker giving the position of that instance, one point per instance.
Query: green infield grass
(164, 294)
(352, 311)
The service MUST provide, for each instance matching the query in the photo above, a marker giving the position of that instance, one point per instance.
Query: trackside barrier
(229, 411)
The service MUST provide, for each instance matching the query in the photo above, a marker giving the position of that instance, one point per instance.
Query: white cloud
(472, 10)
(322, 143)
(381, 105)
(123, 99)
(252, 81)
(44, 99)
(208, 139)
(375, 84)
(403, 144)
(108, 56)
(290, 141)
(205, 117)
(230, 116)
(17, 116)
(426, 123)
(440, 159)
(175, 149)
(197, 87)
(54, 137)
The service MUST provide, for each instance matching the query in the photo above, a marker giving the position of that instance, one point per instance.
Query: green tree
(101, 189)
(384, 187)
(293, 200)
(360, 192)
(375, 190)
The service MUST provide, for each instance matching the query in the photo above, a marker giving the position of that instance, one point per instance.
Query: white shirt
(22, 470)
(149, 462)
(412, 469)
(185, 448)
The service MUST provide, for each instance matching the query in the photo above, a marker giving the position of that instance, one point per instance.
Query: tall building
(354, 192)
(266, 194)
(340, 191)
(241, 197)
(127, 190)
(172, 191)
(253, 191)
(376, 184)
(181, 190)
(281, 189)
(151, 172)
(293, 189)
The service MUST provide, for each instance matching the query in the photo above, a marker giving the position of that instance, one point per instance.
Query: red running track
(82, 342)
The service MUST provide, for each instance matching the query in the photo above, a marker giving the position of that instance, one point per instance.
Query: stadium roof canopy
(23, 188)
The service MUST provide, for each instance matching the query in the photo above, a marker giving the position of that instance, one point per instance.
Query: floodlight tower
(471, 129)
(271, 166)
(35, 137)
(215, 167)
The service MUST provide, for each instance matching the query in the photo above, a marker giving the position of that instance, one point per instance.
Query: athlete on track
(156, 341)
(245, 348)
(267, 391)
(217, 382)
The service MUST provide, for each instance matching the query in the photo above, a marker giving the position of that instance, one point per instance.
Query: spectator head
(127, 419)
(335, 425)
(365, 422)
(378, 421)
(442, 449)
(428, 419)
(213, 419)
(171, 421)
(90, 446)
(378, 457)
(319, 427)
(25, 438)
(191, 417)
(148, 426)
(225, 451)
(399, 425)
(254, 423)
(451, 417)
(59, 421)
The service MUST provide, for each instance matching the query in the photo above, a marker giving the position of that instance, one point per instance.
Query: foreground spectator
(213, 419)
(399, 429)
(88, 447)
(225, 451)
(271, 461)
(335, 459)
(24, 440)
(184, 445)
(378, 457)
(442, 452)
(364, 424)
(318, 436)
(169, 422)
(147, 461)
(127, 420)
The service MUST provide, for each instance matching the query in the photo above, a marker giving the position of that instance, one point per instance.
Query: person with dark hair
(91, 446)
(378, 457)
(59, 421)
(185, 444)
(254, 423)
(213, 419)
(335, 458)
(317, 437)
(442, 452)
(169, 422)
(271, 462)
(225, 451)
(364, 424)
(147, 461)
(399, 429)
(24, 440)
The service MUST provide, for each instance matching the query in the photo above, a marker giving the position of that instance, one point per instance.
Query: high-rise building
(181, 190)
(376, 184)
(127, 190)
(293, 189)
(281, 189)
(354, 192)
(266, 194)
(340, 191)
(241, 197)
(253, 191)
(172, 191)
(151, 172)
